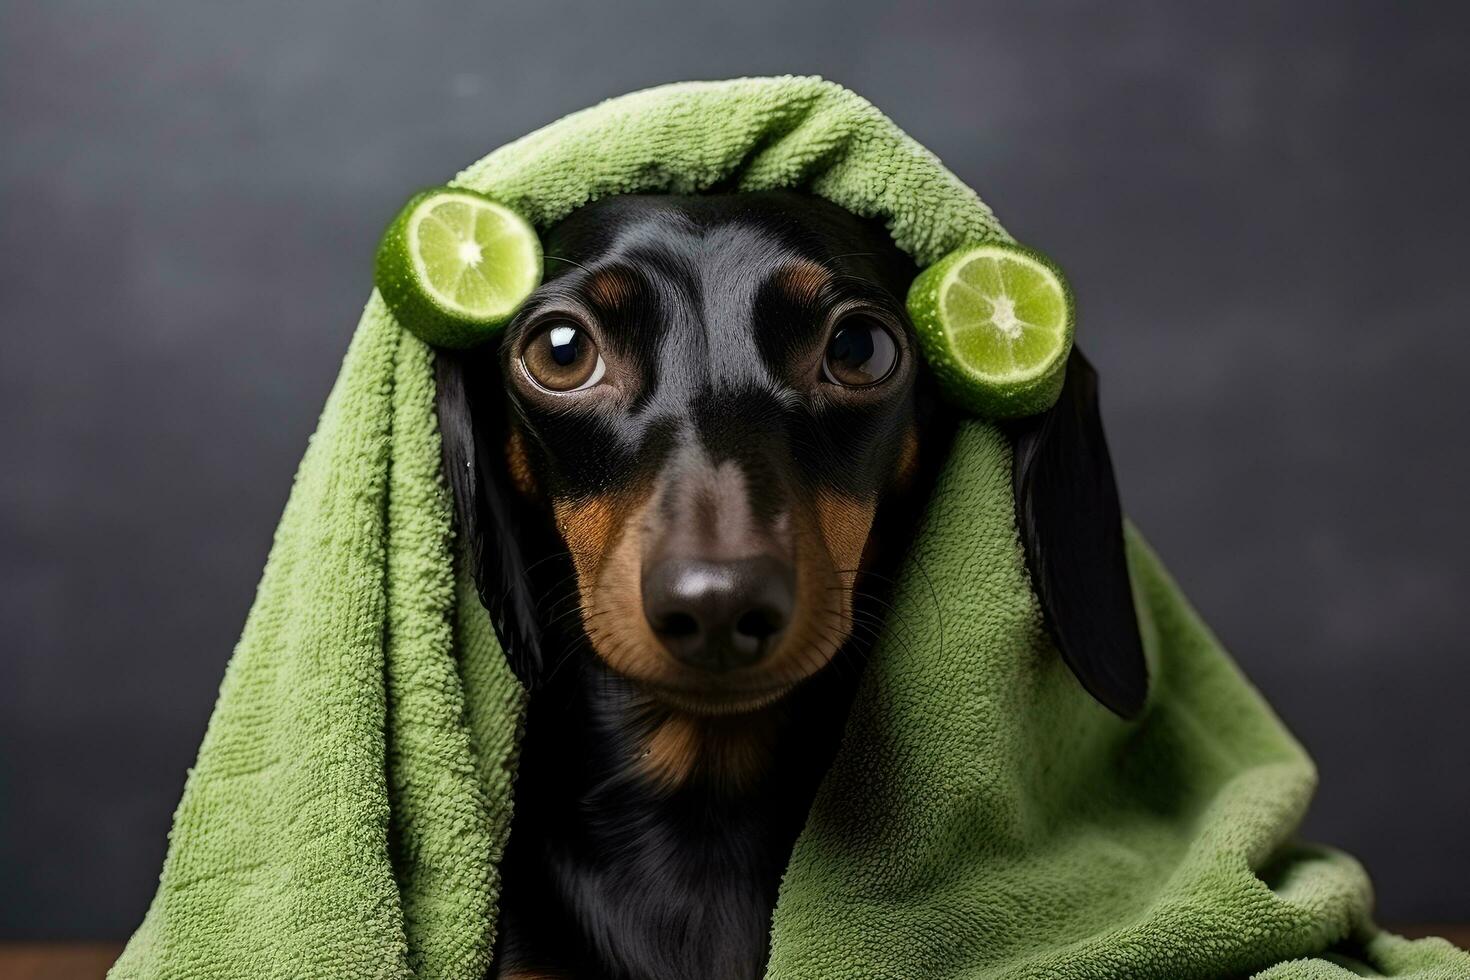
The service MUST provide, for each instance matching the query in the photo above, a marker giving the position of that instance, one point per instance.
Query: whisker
(559, 258)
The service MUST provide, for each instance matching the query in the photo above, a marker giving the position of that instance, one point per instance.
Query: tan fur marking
(608, 289)
(733, 754)
(908, 459)
(519, 464)
(671, 751)
(587, 526)
(845, 523)
(612, 601)
(803, 280)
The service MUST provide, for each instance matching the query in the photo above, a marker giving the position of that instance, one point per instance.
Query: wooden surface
(56, 961)
(89, 961)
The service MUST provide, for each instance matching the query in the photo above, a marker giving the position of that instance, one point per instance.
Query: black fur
(606, 876)
(1071, 524)
(473, 428)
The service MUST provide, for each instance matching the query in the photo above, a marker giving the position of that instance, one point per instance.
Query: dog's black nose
(719, 615)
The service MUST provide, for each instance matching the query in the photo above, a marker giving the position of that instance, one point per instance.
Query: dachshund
(684, 476)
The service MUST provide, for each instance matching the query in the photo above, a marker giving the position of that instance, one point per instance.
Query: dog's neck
(633, 819)
(663, 755)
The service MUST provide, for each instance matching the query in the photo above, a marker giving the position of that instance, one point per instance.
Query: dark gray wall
(1262, 207)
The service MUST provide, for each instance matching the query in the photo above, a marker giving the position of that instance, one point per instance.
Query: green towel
(985, 818)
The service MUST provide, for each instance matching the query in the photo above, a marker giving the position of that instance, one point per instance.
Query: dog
(685, 476)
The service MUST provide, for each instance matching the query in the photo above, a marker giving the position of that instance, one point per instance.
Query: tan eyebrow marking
(609, 289)
(803, 280)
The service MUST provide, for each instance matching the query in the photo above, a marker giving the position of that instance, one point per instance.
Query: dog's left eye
(861, 352)
(562, 357)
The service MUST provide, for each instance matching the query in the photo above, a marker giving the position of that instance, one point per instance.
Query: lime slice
(995, 322)
(454, 266)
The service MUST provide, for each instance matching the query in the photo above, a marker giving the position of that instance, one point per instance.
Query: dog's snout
(719, 615)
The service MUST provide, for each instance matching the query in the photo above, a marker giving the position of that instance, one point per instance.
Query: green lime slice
(995, 322)
(454, 266)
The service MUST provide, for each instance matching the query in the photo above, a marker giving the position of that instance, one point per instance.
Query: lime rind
(454, 266)
(996, 323)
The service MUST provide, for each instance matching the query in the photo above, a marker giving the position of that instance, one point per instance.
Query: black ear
(1071, 525)
(495, 522)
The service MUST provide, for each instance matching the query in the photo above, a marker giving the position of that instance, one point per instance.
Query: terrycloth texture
(984, 819)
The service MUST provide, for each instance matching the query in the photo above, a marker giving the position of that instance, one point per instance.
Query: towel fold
(984, 818)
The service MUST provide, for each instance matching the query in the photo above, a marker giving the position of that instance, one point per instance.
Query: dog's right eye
(561, 356)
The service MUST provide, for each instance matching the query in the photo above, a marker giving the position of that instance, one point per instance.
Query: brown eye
(561, 356)
(861, 352)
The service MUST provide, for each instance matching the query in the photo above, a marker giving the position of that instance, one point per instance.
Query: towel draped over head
(984, 818)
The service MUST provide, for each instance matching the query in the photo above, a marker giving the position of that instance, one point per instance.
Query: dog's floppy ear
(1071, 526)
(493, 518)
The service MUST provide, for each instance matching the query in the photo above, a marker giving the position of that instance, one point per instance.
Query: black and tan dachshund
(684, 477)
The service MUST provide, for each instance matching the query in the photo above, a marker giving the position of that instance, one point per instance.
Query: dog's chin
(712, 699)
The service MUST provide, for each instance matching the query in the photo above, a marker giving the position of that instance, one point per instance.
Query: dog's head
(690, 431)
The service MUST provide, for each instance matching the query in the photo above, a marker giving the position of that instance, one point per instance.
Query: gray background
(1261, 205)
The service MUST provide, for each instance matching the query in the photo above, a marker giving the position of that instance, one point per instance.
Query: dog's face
(696, 421)
(713, 395)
